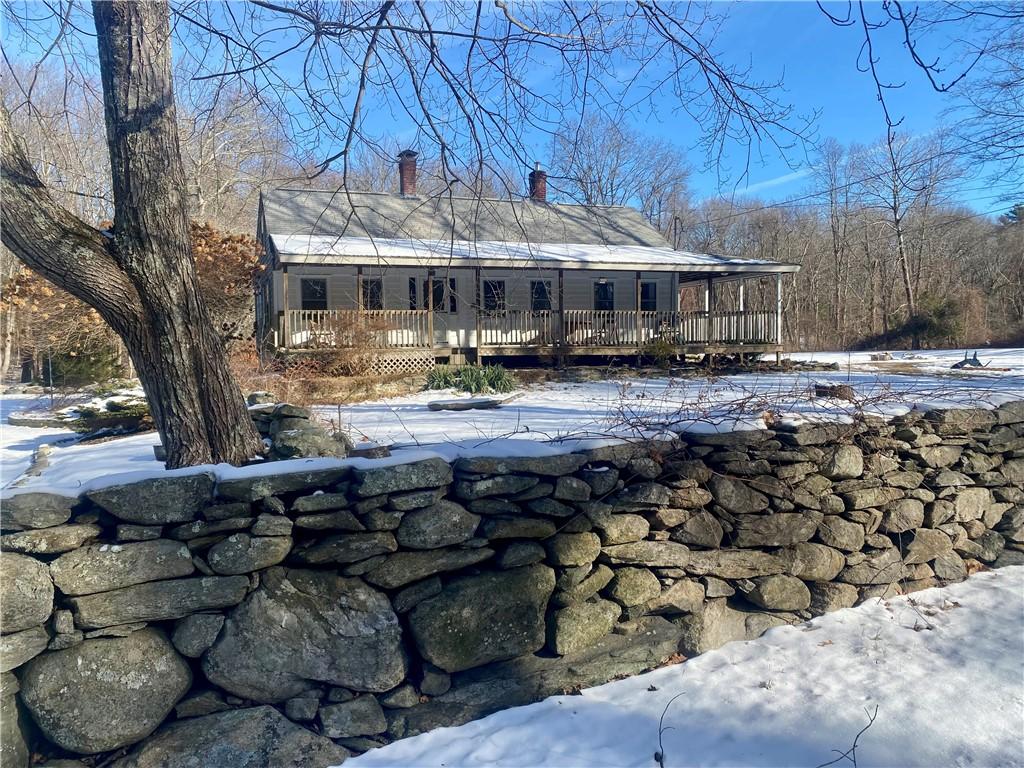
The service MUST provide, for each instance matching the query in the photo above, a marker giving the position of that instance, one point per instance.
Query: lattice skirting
(406, 361)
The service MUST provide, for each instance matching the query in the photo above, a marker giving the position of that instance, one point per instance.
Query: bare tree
(605, 162)
(140, 277)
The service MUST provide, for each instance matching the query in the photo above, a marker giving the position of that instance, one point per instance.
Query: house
(418, 279)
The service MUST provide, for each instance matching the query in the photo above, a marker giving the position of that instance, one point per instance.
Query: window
(604, 296)
(648, 297)
(413, 302)
(494, 295)
(313, 292)
(439, 295)
(373, 293)
(540, 295)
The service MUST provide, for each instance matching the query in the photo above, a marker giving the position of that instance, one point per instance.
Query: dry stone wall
(293, 619)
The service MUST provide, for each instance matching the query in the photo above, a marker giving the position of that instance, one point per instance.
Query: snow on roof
(326, 249)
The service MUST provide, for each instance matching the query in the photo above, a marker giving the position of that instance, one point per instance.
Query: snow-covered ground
(943, 667)
(551, 418)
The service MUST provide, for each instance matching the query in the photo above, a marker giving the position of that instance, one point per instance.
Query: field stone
(700, 529)
(105, 693)
(157, 500)
(50, 541)
(434, 681)
(194, 634)
(937, 456)
(14, 749)
(103, 567)
(258, 737)
(736, 496)
(559, 464)
(602, 481)
(302, 708)
(902, 516)
(971, 503)
(842, 534)
(621, 528)
(519, 553)
(991, 544)
(484, 618)
(338, 520)
(504, 485)
(271, 525)
(157, 600)
(718, 623)
(347, 548)
(591, 584)
(581, 625)
(683, 596)
(865, 498)
(571, 489)
(203, 528)
(572, 549)
(337, 631)
(733, 563)
(550, 508)
(359, 717)
(659, 554)
(407, 599)
(812, 561)
(777, 592)
(35, 510)
(403, 568)
(18, 647)
(438, 526)
(199, 703)
(926, 545)
(877, 567)
(844, 462)
(831, 596)
(129, 532)
(517, 528)
(27, 592)
(633, 586)
(778, 530)
(320, 502)
(949, 566)
(405, 502)
(641, 496)
(402, 697)
(242, 553)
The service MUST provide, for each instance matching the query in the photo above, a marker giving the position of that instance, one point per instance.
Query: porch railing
(371, 329)
(573, 328)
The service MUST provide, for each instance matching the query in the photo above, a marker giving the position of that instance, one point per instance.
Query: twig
(851, 753)
(659, 756)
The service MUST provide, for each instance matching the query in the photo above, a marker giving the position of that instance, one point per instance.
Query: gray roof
(288, 212)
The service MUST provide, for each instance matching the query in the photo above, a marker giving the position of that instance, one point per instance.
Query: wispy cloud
(778, 181)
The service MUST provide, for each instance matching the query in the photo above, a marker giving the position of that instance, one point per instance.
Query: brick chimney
(407, 173)
(538, 185)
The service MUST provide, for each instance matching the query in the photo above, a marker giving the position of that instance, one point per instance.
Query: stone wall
(292, 619)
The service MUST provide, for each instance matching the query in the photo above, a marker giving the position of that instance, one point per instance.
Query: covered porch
(716, 314)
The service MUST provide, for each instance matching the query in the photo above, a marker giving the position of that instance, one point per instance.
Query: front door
(446, 307)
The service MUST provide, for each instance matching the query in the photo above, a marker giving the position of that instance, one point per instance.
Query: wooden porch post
(286, 336)
(709, 304)
(742, 321)
(778, 308)
(561, 318)
(479, 323)
(639, 320)
(430, 307)
(359, 288)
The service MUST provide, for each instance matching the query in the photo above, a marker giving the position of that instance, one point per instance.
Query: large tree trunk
(142, 280)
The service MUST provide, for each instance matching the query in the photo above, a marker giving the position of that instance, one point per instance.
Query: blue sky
(817, 62)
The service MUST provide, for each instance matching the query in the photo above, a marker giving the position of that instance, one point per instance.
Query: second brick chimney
(538, 184)
(407, 173)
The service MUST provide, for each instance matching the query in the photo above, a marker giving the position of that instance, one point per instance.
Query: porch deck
(525, 332)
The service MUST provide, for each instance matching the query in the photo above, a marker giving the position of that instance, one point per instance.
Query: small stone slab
(465, 404)
(158, 600)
